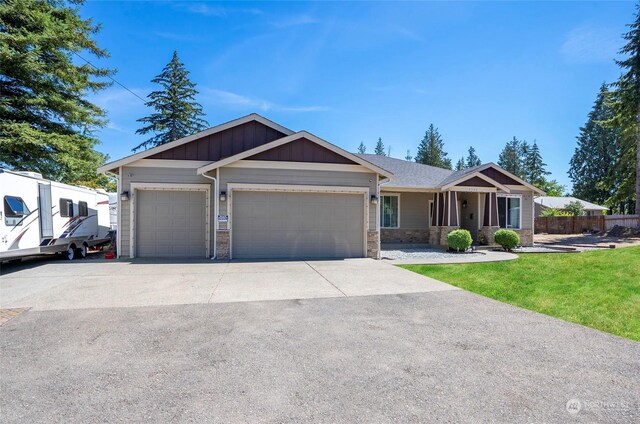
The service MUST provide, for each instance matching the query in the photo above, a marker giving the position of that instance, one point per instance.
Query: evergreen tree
(46, 121)
(534, 167)
(380, 148)
(431, 150)
(472, 159)
(511, 157)
(362, 149)
(627, 95)
(408, 157)
(460, 164)
(592, 166)
(553, 188)
(177, 114)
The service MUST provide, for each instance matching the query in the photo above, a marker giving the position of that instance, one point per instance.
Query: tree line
(519, 157)
(605, 166)
(47, 124)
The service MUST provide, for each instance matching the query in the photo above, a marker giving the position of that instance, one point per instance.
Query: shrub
(508, 239)
(459, 240)
(575, 208)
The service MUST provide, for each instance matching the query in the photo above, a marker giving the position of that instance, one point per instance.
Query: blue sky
(351, 72)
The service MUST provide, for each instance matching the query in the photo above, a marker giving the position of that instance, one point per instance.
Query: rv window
(14, 210)
(83, 210)
(66, 208)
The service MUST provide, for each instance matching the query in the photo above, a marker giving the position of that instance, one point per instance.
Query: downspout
(215, 214)
(118, 219)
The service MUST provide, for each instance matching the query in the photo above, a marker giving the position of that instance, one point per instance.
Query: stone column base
(488, 234)
(223, 245)
(526, 237)
(373, 244)
(444, 232)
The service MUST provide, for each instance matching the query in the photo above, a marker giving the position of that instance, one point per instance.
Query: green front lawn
(599, 289)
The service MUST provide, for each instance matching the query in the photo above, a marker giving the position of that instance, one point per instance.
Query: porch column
(491, 210)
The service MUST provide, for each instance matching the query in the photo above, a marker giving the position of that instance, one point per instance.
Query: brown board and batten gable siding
(302, 150)
(498, 176)
(475, 182)
(223, 144)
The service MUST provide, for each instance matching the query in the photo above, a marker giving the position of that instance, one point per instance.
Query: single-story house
(560, 203)
(251, 188)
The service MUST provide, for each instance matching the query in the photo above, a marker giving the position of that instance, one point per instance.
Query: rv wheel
(82, 251)
(71, 252)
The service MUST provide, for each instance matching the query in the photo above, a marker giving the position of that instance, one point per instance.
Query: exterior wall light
(464, 204)
(124, 196)
(374, 199)
(223, 196)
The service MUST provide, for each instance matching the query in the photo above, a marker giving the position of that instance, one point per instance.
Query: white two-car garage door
(288, 225)
(170, 223)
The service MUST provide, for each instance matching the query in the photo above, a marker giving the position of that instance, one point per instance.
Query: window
(66, 208)
(509, 209)
(389, 207)
(83, 209)
(14, 210)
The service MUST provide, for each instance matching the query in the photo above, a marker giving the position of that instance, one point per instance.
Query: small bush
(459, 240)
(508, 239)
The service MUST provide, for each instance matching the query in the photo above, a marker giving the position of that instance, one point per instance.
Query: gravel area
(424, 253)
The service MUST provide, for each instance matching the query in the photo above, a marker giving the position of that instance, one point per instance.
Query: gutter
(215, 214)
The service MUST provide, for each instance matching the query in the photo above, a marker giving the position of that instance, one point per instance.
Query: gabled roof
(173, 144)
(292, 139)
(557, 202)
(409, 174)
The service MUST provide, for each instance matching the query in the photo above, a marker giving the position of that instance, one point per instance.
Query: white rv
(40, 216)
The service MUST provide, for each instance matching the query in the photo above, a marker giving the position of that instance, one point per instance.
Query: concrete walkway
(59, 285)
(480, 256)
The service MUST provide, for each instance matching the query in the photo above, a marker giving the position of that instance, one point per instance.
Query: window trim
(82, 203)
(382, 196)
(26, 212)
(507, 196)
(70, 210)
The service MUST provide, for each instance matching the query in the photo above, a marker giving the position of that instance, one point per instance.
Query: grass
(599, 289)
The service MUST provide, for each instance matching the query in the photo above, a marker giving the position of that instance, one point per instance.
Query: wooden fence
(582, 224)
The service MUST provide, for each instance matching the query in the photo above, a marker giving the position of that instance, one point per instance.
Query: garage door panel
(297, 225)
(170, 223)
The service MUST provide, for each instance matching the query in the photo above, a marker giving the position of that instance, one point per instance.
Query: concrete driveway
(53, 285)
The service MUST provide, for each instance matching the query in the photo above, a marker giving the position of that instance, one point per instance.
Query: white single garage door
(289, 225)
(170, 223)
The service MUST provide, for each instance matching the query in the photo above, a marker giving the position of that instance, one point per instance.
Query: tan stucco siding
(154, 175)
(298, 177)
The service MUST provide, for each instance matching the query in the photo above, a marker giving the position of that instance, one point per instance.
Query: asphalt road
(429, 357)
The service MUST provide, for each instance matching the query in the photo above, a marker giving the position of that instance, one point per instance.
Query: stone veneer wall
(373, 245)
(488, 233)
(404, 235)
(526, 236)
(444, 232)
(223, 244)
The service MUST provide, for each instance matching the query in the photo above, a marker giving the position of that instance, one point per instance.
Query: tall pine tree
(380, 148)
(512, 156)
(46, 121)
(460, 164)
(408, 156)
(472, 159)
(177, 114)
(627, 96)
(592, 166)
(431, 150)
(362, 148)
(534, 171)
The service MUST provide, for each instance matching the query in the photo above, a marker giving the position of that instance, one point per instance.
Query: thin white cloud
(293, 21)
(208, 10)
(118, 98)
(588, 44)
(237, 100)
